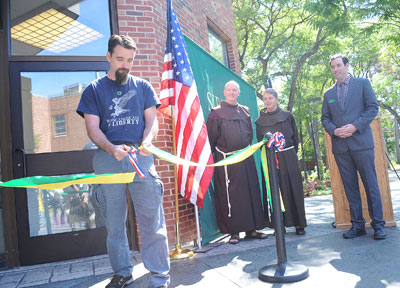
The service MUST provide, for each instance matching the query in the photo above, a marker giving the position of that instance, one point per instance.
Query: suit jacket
(360, 108)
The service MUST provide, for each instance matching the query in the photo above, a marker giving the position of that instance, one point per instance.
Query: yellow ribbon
(233, 159)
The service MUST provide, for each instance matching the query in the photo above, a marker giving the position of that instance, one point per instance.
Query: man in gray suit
(349, 107)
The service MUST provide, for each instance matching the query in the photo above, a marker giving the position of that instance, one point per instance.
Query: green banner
(211, 76)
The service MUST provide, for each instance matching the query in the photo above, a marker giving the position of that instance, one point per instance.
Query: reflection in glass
(2, 240)
(64, 27)
(59, 125)
(63, 210)
(218, 48)
(49, 102)
(1, 179)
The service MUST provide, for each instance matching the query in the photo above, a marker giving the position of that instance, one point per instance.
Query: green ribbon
(60, 182)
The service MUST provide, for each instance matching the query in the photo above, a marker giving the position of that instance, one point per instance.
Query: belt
(136, 145)
(133, 144)
(227, 181)
(288, 148)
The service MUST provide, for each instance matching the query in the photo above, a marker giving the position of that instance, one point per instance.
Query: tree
(291, 41)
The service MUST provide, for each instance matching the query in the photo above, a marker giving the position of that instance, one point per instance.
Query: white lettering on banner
(213, 101)
(128, 120)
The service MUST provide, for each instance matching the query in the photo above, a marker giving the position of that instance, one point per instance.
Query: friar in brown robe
(274, 119)
(238, 201)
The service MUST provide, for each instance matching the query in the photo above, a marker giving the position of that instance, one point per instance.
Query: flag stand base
(205, 248)
(283, 273)
(180, 253)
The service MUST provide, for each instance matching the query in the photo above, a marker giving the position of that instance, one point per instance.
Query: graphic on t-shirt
(120, 103)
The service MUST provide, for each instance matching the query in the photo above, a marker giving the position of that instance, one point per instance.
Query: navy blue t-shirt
(119, 106)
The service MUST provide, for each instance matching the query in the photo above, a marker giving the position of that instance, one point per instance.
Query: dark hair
(271, 91)
(344, 58)
(122, 40)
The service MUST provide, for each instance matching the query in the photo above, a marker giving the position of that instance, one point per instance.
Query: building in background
(49, 52)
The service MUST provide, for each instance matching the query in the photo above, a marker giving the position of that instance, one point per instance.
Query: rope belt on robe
(285, 149)
(227, 177)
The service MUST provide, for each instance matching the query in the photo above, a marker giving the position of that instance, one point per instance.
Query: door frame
(7, 204)
(53, 247)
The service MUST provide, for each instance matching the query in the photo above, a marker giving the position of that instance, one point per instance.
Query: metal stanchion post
(282, 272)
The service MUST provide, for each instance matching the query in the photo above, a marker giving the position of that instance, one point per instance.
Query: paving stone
(70, 276)
(9, 285)
(82, 267)
(62, 269)
(33, 283)
(102, 266)
(11, 278)
(38, 275)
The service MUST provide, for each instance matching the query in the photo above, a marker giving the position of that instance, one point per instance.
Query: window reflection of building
(50, 122)
(64, 105)
(59, 125)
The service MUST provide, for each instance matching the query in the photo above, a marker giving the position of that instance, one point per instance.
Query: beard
(121, 75)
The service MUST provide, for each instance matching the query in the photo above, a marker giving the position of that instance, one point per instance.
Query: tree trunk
(396, 141)
(303, 158)
(317, 145)
(299, 65)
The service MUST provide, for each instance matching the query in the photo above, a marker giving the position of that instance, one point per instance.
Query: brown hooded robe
(230, 129)
(290, 181)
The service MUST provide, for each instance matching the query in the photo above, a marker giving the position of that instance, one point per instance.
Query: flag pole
(196, 211)
(178, 252)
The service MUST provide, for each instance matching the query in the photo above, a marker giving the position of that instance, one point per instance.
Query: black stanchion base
(283, 273)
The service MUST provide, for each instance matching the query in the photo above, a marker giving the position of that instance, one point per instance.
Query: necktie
(341, 94)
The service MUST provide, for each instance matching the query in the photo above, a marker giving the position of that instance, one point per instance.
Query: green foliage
(290, 41)
(316, 188)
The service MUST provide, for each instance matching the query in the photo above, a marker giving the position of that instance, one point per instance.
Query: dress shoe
(379, 234)
(354, 232)
(300, 231)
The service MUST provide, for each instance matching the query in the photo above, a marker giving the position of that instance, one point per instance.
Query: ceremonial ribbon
(135, 163)
(60, 182)
(233, 159)
(264, 165)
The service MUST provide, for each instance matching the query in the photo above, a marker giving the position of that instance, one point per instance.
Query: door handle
(23, 164)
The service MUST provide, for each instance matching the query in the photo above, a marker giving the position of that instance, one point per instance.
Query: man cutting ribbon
(120, 112)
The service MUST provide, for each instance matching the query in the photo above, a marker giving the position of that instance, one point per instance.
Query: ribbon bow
(135, 163)
(278, 141)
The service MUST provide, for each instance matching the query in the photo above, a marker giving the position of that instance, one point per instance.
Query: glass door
(49, 138)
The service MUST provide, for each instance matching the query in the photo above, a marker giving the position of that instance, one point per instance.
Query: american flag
(178, 88)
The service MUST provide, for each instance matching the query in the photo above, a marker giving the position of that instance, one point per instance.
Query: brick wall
(145, 22)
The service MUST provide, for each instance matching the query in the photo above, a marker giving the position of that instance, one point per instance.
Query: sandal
(256, 235)
(234, 239)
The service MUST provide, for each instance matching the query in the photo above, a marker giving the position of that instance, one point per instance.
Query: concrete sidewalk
(332, 260)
